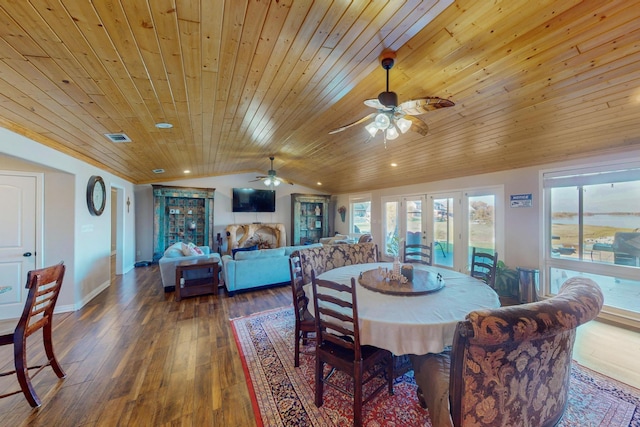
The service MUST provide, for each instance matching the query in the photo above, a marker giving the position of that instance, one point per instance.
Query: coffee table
(199, 284)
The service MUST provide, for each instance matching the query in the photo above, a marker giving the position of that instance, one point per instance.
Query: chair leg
(357, 394)
(319, 383)
(48, 348)
(296, 352)
(22, 373)
(390, 374)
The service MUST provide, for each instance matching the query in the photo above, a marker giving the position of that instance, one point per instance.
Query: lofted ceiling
(533, 82)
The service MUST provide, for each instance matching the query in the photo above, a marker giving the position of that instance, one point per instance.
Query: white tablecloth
(413, 324)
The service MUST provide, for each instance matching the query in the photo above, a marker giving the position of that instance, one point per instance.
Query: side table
(202, 284)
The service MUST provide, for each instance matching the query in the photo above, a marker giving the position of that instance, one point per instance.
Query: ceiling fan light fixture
(403, 124)
(268, 182)
(392, 133)
(382, 121)
(372, 128)
(276, 182)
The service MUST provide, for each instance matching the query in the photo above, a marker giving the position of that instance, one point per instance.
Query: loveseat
(174, 255)
(257, 268)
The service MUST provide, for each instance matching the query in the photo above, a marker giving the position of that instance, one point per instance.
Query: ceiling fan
(392, 117)
(271, 179)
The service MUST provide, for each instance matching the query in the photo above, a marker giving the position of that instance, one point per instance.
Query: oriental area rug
(283, 395)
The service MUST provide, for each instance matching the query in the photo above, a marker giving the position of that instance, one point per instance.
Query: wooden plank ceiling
(240, 80)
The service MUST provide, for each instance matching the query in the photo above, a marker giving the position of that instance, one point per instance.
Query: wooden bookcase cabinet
(181, 214)
(309, 218)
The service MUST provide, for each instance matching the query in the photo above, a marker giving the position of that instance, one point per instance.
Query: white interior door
(17, 239)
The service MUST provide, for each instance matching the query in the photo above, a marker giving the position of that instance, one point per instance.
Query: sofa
(174, 255)
(257, 268)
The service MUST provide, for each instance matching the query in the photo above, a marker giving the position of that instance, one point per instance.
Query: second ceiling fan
(392, 117)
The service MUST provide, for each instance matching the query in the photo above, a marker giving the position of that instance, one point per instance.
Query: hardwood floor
(133, 356)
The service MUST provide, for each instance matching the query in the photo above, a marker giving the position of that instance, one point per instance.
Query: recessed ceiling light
(187, 171)
(319, 183)
(163, 125)
(394, 165)
(158, 171)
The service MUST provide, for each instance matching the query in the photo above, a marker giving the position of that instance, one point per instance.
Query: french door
(445, 225)
(454, 222)
(403, 221)
(460, 221)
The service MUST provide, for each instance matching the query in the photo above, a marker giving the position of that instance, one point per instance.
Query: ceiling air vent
(158, 171)
(117, 137)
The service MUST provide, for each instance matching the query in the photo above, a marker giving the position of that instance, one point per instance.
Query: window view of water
(630, 222)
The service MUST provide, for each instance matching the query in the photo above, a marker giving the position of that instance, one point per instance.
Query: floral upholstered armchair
(509, 366)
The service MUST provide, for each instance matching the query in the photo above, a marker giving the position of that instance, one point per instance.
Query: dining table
(412, 323)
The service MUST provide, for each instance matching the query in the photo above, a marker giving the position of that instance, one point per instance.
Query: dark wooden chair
(305, 323)
(44, 287)
(338, 345)
(498, 353)
(419, 254)
(484, 266)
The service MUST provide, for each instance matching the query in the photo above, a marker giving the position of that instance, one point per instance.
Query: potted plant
(506, 280)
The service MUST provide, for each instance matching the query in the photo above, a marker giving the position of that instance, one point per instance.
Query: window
(593, 229)
(360, 221)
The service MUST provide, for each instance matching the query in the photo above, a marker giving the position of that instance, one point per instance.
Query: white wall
(523, 229)
(71, 233)
(222, 214)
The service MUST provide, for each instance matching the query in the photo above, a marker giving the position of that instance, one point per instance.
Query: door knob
(27, 254)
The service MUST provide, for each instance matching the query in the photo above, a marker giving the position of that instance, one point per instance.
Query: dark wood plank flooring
(135, 357)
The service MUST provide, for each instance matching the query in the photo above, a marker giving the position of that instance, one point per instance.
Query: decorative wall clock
(96, 195)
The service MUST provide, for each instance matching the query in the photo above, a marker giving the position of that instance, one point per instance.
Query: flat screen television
(252, 200)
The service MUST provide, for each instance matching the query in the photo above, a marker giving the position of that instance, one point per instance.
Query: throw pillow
(191, 249)
(251, 248)
(185, 250)
(174, 251)
(194, 250)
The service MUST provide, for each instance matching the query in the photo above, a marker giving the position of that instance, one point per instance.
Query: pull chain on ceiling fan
(391, 117)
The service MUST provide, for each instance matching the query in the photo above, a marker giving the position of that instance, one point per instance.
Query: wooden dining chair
(338, 345)
(305, 323)
(416, 253)
(44, 287)
(484, 266)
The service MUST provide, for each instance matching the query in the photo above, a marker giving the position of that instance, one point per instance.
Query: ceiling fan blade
(374, 103)
(418, 125)
(423, 105)
(362, 120)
